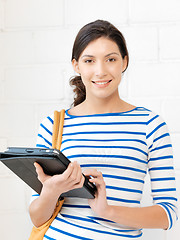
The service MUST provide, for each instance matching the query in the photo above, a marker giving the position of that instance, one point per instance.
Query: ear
(75, 66)
(124, 63)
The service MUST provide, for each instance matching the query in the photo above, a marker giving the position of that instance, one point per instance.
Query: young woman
(112, 141)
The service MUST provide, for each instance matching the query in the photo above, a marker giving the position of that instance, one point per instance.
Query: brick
(153, 104)
(154, 79)
(12, 186)
(169, 42)
(171, 112)
(54, 45)
(82, 12)
(34, 13)
(154, 11)
(3, 144)
(17, 120)
(15, 225)
(142, 42)
(23, 141)
(5, 171)
(1, 15)
(16, 48)
(1, 84)
(35, 83)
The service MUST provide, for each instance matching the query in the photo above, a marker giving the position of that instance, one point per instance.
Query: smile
(102, 83)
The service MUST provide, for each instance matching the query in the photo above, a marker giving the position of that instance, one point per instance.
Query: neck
(103, 105)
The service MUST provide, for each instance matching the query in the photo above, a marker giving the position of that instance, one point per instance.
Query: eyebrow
(105, 56)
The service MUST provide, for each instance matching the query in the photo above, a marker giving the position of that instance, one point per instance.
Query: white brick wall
(36, 38)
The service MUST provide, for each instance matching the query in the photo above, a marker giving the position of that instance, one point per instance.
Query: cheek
(86, 74)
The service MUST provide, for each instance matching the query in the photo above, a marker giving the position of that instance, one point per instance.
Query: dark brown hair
(87, 34)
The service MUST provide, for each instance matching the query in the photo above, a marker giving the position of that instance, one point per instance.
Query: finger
(90, 172)
(93, 172)
(80, 183)
(97, 181)
(76, 174)
(40, 172)
(68, 171)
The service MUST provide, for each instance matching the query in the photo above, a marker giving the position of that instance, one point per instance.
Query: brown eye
(111, 60)
(88, 61)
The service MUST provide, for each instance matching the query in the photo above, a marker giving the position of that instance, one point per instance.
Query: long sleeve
(44, 138)
(160, 164)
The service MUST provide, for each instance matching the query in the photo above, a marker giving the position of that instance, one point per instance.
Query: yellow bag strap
(58, 129)
(38, 233)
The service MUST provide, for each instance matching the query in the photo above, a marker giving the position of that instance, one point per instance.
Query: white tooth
(101, 83)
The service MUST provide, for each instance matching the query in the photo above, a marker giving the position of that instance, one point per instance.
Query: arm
(143, 217)
(163, 213)
(41, 209)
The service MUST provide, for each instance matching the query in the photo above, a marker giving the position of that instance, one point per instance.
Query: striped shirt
(123, 146)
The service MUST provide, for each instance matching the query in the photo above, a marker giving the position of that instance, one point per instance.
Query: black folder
(21, 162)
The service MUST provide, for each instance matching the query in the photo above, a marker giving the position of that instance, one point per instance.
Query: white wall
(36, 38)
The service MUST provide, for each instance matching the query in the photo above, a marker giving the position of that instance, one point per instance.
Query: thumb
(40, 172)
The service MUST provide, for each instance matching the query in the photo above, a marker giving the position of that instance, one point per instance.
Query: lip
(103, 83)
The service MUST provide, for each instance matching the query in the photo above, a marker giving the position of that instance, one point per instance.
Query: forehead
(101, 45)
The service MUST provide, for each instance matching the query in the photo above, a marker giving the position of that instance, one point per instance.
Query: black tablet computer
(21, 162)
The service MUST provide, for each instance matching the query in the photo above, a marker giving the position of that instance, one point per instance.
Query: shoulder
(48, 120)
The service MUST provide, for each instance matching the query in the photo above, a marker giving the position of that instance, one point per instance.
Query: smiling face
(100, 66)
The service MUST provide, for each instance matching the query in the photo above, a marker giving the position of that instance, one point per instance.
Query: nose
(100, 70)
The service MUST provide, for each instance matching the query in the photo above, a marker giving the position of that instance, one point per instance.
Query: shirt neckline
(101, 114)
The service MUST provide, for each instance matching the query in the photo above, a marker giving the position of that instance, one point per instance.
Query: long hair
(87, 34)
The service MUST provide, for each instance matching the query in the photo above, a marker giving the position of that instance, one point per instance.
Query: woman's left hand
(99, 204)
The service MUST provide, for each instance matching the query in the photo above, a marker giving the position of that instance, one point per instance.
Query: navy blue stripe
(105, 132)
(96, 230)
(35, 195)
(162, 179)
(164, 190)
(152, 119)
(106, 156)
(114, 147)
(39, 135)
(41, 146)
(50, 119)
(165, 198)
(105, 140)
(69, 234)
(162, 136)
(113, 166)
(169, 214)
(122, 200)
(100, 219)
(150, 146)
(171, 206)
(123, 178)
(159, 126)
(78, 218)
(50, 238)
(124, 189)
(127, 113)
(104, 123)
(161, 147)
(160, 158)
(161, 168)
(47, 130)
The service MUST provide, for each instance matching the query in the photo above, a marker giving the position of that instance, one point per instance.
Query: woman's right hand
(55, 185)
(41, 208)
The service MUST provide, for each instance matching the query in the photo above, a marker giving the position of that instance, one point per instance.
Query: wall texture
(36, 38)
